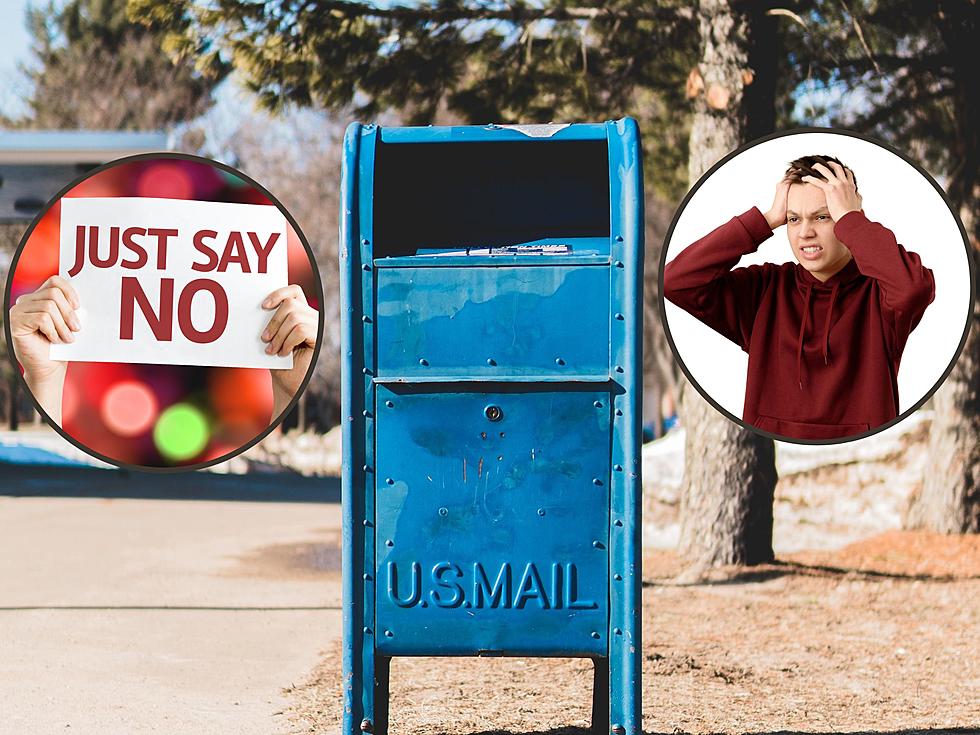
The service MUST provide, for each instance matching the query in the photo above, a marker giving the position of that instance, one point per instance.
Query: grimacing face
(810, 229)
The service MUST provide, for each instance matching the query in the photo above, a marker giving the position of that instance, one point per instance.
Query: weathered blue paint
(491, 396)
(493, 133)
(469, 502)
(490, 322)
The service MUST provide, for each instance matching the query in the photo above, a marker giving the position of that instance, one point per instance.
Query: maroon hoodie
(823, 356)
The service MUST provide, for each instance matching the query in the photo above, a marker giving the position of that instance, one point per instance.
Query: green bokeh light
(181, 432)
(231, 179)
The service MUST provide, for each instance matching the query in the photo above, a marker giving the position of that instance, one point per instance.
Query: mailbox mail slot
(491, 283)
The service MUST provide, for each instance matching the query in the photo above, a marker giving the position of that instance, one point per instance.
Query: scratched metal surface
(492, 322)
(492, 535)
(453, 541)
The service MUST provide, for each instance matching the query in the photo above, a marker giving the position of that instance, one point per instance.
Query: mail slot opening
(438, 196)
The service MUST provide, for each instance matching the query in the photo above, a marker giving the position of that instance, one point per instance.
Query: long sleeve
(701, 279)
(907, 287)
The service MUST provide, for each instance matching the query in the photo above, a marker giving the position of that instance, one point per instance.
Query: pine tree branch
(517, 13)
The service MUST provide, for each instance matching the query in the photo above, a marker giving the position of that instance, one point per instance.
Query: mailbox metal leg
(382, 667)
(600, 696)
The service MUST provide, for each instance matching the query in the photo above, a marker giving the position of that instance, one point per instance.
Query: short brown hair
(804, 167)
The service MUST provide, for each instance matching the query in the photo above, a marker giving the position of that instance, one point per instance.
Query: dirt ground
(881, 636)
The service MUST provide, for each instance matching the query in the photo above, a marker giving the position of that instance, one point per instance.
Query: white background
(895, 194)
(99, 289)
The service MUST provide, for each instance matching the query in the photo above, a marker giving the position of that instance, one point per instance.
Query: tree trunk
(729, 472)
(12, 417)
(949, 501)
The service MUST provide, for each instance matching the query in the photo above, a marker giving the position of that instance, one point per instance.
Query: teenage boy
(824, 335)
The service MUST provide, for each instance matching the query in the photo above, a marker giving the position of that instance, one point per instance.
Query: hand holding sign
(168, 281)
(38, 320)
(292, 330)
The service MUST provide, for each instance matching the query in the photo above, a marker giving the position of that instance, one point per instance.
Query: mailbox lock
(493, 413)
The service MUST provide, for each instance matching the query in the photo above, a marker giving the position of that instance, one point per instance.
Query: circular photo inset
(817, 286)
(164, 312)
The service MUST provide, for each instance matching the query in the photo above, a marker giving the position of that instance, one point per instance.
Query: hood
(807, 285)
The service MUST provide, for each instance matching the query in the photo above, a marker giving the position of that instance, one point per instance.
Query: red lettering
(234, 253)
(93, 247)
(220, 311)
(263, 252)
(127, 239)
(79, 250)
(132, 294)
(204, 250)
(162, 236)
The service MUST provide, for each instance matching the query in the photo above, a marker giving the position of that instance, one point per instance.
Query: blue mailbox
(491, 285)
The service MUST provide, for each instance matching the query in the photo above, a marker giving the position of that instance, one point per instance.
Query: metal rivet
(618, 467)
(559, 361)
(540, 511)
(597, 404)
(617, 631)
(390, 404)
(619, 368)
(491, 361)
(596, 481)
(597, 544)
(444, 512)
(366, 319)
(423, 361)
(618, 577)
(618, 524)
(367, 631)
(619, 316)
(618, 264)
(595, 635)
(366, 522)
(366, 577)
(367, 413)
(389, 480)
(366, 371)
(389, 634)
(366, 468)
(366, 267)
(619, 412)
(619, 238)
(366, 726)
(365, 241)
(389, 542)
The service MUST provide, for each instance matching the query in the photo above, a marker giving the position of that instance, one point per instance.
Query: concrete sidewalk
(130, 615)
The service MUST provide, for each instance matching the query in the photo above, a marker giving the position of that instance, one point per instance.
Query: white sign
(170, 281)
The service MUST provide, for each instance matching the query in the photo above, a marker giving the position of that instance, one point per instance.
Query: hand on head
(839, 188)
(776, 216)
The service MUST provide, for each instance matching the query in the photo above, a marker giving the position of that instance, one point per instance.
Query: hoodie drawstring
(826, 325)
(799, 343)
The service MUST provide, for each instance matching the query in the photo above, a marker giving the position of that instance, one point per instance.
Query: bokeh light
(167, 180)
(181, 432)
(159, 415)
(129, 408)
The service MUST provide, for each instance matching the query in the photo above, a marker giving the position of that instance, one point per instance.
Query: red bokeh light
(166, 180)
(129, 408)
